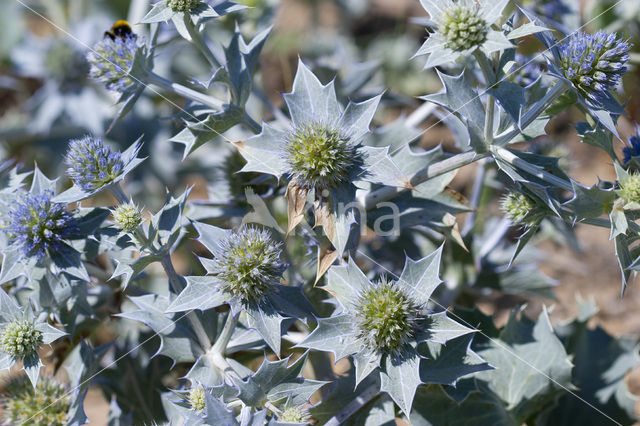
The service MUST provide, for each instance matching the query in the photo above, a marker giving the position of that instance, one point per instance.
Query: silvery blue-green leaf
(41, 183)
(511, 98)
(160, 12)
(435, 8)
(431, 45)
(276, 381)
(6, 361)
(523, 239)
(400, 378)
(9, 309)
(590, 202)
(336, 215)
(203, 371)
(382, 413)
(334, 334)
(166, 225)
(496, 41)
(443, 56)
(310, 101)
(216, 413)
(180, 21)
(263, 152)
(445, 364)
(89, 220)
(68, 260)
(204, 12)
(129, 268)
(625, 260)
(534, 367)
(598, 137)
(365, 363)
(209, 235)
(420, 278)
(194, 135)
(396, 135)
(491, 10)
(441, 329)
(525, 30)
(31, 366)
(433, 407)
(290, 300)
(200, 293)
(619, 225)
(601, 363)
(49, 333)
(382, 169)
(268, 323)
(346, 282)
(177, 339)
(356, 117)
(461, 99)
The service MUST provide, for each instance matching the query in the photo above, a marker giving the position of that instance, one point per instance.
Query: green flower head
(127, 217)
(517, 207)
(196, 399)
(630, 188)
(386, 317)
(463, 28)
(182, 5)
(248, 264)
(20, 338)
(320, 156)
(48, 404)
(294, 414)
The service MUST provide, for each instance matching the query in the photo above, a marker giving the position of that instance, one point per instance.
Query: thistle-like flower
(382, 325)
(245, 273)
(127, 217)
(386, 317)
(248, 264)
(38, 225)
(48, 404)
(91, 163)
(20, 338)
(319, 156)
(196, 399)
(630, 188)
(594, 63)
(517, 207)
(463, 27)
(182, 5)
(294, 414)
(111, 61)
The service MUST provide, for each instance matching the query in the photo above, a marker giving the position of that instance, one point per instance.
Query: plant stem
(489, 77)
(509, 157)
(420, 114)
(534, 112)
(351, 408)
(185, 92)
(454, 162)
(476, 192)
(217, 352)
(199, 42)
(255, 127)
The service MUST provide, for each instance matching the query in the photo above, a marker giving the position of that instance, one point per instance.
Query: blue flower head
(112, 59)
(38, 225)
(631, 151)
(594, 63)
(91, 163)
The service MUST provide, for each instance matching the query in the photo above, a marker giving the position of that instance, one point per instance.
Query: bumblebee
(120, 29)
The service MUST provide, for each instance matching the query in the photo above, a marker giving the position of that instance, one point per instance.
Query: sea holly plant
(381, 325)
(323, 155)
(22, 335)
(317, 257)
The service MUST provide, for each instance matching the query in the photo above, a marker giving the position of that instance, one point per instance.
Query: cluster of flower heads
(182, 5)
(48, 404)
(320, 156)
(37, 224)
(463, 28)
(517, 207)
(248, 264)
(594, 63)
(91, 164)
(111, 60)
(20, 338)
(386, 317)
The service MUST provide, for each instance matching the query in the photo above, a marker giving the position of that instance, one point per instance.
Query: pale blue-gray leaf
(334, 334)
(265, 153)
(346, 282)
(200, 293)
(420, 278)
(49, 333)
(400, 378)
